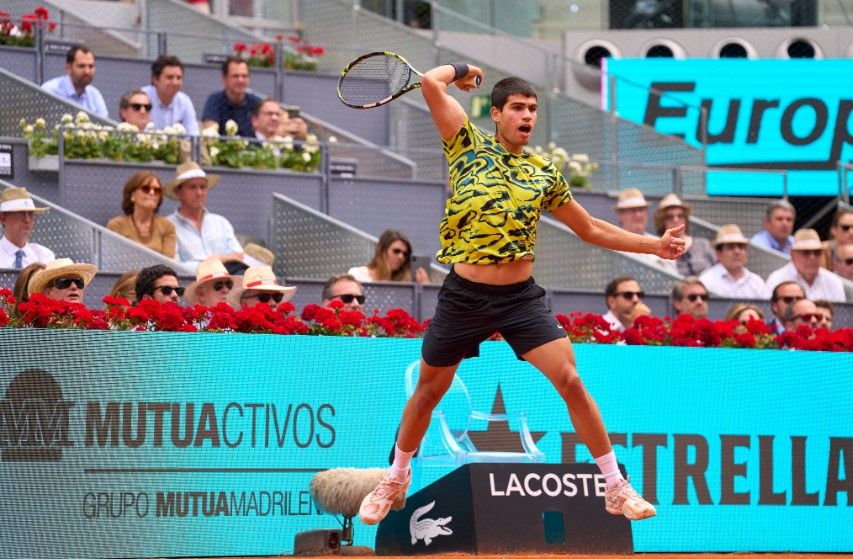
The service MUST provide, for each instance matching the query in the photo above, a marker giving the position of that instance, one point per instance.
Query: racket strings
(373, 79)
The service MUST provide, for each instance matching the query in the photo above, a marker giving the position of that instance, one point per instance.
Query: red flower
(240, 48)
(41, 13)
(26, 26)
(316, 51)
(51, 26)
(294, 38)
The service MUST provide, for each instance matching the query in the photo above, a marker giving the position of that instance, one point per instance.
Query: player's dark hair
(510, 86)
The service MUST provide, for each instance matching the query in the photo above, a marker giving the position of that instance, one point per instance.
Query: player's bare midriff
(497, 274)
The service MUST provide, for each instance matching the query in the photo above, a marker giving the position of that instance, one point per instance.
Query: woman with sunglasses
(391, 261)
(62, 280)
(260, 286)
(141, 198)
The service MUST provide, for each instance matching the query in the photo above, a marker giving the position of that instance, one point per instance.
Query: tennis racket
(377, 78)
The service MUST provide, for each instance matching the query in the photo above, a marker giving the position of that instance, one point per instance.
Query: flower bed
(20, 33)
(149, 315)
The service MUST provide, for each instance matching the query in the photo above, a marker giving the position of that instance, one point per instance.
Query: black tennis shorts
(468, 313)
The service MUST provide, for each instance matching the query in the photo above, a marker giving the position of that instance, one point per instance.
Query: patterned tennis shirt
(496, 200)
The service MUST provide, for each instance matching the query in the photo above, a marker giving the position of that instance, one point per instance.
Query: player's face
(515, 121)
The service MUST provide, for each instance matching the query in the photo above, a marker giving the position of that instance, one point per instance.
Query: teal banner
(152, 444)
(767, 114)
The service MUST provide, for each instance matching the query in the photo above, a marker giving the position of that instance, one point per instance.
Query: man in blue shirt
(170, 104)
(75, 85)
(778, 226)
(235, 102)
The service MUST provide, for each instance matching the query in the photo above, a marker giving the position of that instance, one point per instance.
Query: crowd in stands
(800, 292)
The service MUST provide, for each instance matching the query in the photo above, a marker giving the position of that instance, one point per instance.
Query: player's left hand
(671, 246)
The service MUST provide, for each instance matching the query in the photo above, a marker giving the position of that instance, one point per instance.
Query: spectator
(784, 295)
(141, 198)
(18, 216)
(135, 108)
(125, 286)
(729, 277)
(235, 102)
(201, 234)
(804, 268)
(212, 284)
(801, 312)
(266, 119)
(22, 284)
(843, 266)
(622, 295)
(346, 289)
(632, 212)
(76, 85)
(63, 280)
(391, 261)
(260, 285)
(171, 105)
(841, 234)
(292, 125)
(778, 225)
(825, 311)
(689, 296)
(744, 312)
(672, 212)
(159, 282)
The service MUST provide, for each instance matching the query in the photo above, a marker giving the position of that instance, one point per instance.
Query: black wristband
(461, 70)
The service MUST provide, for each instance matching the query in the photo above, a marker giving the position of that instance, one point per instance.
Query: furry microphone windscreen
(341, 490)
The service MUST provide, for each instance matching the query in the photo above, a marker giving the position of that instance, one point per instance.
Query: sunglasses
(166, 290)
(848, 261)
(845, 227)
(348, 298)
(693, 296)
(65, 283)
(148, 189)
(399, 251)
(813, 253)
(140, 106)
(808, 317)
(265, 297)
(223, 283)
(789, 300)
(629, 295)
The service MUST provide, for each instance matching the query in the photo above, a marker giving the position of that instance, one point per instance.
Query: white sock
(609, 467)
(400, 468)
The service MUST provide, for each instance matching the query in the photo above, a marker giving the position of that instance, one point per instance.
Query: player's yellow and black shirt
(496, 199)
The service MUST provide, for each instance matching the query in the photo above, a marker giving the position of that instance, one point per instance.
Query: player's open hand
(671, 246)
(472, 80)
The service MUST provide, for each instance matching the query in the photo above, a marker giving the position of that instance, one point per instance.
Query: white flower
(214, 151)
(82, 117)
(40, 123)
(103, 135)
(287, 142)
(231, 128)
(149, 127)
(66, 119)
(22, 123)
(332, 139)
(306, 157)
(560, 153)
(28, 129)
(580, 158)
(127, 127)
(211, 132)
(575, 168)
(551, 146)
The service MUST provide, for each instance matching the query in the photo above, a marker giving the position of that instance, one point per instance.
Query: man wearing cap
(778, 225)
(699, 256)
(212, 284)
(632, 212)
(18, 215)
(729, 276)
(260, 285)
(201, 234)
(804, 268)
(62, 280)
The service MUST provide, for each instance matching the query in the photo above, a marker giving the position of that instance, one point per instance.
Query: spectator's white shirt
(361, 273)
(33, 252)
(615, 325)
(827, 285)
(720, 282)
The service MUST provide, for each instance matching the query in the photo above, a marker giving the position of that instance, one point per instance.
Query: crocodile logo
(428, 528)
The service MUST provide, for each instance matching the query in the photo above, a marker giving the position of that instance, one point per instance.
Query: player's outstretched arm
(447, 113)
(607, 235)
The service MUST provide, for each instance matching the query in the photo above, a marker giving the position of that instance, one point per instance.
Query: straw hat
(630, 198)
(17, 199)
(257, 255)
(207, 271)
(671, 200)
(730, 234)
(259, 278)
(185, 172)
(807, 239)
(59, 268)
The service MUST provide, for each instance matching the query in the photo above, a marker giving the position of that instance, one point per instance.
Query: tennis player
(487, 235)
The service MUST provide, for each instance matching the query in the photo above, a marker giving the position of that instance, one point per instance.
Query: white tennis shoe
(377, 503)
(621, 499)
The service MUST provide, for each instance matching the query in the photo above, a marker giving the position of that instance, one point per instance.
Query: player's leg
(556, 360)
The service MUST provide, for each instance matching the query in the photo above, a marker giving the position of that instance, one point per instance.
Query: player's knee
(571, 387)
(427, 397)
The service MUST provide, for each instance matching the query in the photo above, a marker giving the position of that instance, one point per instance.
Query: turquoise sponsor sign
(765, 114)
(170, 445)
